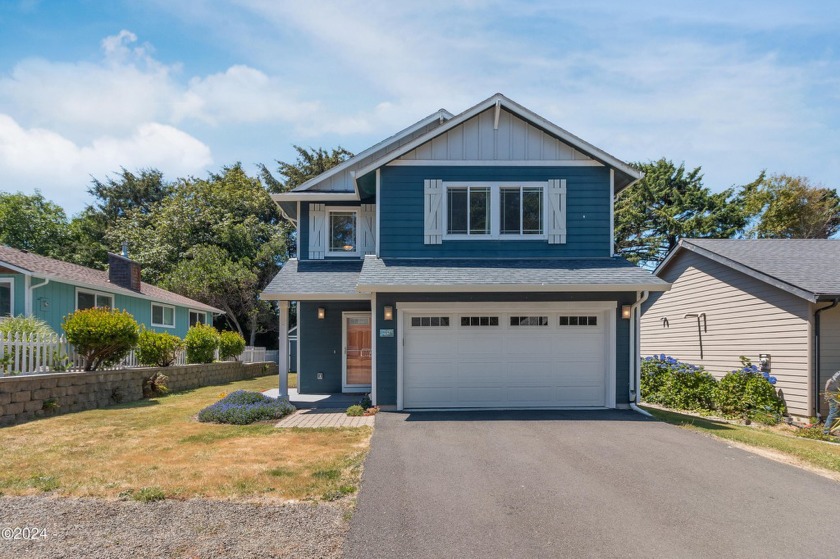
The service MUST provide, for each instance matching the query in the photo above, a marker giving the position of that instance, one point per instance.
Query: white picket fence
(28, 354)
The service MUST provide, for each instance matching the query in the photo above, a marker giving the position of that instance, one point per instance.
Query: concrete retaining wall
(27, 397)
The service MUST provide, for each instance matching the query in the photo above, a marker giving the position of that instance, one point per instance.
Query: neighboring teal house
(50, 289)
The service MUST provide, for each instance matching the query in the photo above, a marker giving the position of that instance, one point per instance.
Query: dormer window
(342, 225)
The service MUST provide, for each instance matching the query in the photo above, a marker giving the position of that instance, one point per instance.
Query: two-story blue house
(466, 262)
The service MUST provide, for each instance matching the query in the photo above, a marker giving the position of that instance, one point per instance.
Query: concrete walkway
(324, 401)
(315, 418)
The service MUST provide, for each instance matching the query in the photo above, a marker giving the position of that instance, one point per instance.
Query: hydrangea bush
(669, 382)
(746, 392)
(243, 407)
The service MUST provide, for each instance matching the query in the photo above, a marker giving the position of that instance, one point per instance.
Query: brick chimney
(122, 271)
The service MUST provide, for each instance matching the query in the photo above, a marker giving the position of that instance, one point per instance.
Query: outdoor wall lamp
(389, 313)
(625, 311)
(322, 312)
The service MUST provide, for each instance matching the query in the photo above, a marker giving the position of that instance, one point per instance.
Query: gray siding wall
(587, 216)
(320, 345)
(744, 316)
(386, 348)
(829, 347)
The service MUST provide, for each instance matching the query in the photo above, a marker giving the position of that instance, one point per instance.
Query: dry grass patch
(157, 445)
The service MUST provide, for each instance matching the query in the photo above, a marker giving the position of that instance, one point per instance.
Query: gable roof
(49, 268)
(339, 182)
(807, 268)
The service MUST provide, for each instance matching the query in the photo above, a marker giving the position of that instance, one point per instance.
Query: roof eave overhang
(264, 296)
(18, 269)
(316, 197)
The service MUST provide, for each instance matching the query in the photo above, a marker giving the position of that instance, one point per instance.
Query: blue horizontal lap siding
(386, 348)
(587, 213)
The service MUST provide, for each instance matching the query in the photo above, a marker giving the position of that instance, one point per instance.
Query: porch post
(283, 361)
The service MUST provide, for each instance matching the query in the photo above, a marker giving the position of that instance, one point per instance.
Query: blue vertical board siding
(386, 348)
(587, 213)
(18, 293)
(55, 300)
(319, 344)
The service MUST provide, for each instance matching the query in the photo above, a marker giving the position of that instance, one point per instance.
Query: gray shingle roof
(310, 278)
(797, 265)
(42, 266)
(556, 274)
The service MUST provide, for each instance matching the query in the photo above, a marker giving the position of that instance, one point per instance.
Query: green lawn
(814, 453)
(158, 445)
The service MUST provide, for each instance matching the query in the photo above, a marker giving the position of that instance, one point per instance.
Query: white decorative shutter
(433, 211)
(367, 229)
(557, 211)
(317, 231)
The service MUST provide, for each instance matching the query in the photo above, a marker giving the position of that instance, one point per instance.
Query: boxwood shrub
(157, 349)
(243, 407)
(101, 336)
(201, 342)
(231, 344)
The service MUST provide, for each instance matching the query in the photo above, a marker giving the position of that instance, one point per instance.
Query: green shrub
(749, 393)
(155, 385)
(242, 407)
(231, 344)
(355, 411)
(101, 336)
(157, 349)
(201, 342)
(674, 384)
(25, 325)
(148, 494)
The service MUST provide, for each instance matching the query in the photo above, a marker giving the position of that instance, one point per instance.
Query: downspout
(32, 288)
(817, 356)
(635, 351)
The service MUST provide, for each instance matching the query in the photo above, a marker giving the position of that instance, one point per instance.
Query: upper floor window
(89, 299)
(197, 317)
(163, 315)
(495, 210)
(7, 293)
(341, 228)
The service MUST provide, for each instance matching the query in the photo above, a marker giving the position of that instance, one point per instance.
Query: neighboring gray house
(733, 297)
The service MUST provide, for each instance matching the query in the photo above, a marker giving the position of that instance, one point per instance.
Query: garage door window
(578, 321)
(429, 321)
(529, 321)
(479, 321)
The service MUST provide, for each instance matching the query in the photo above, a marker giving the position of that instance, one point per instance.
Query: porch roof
(306, 280)
(596, 274)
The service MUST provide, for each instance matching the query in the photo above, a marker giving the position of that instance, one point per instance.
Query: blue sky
(189, 86)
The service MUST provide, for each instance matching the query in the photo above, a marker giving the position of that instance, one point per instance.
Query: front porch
(334, 400)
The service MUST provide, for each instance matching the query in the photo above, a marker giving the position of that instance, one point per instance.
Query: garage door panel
(505, 365)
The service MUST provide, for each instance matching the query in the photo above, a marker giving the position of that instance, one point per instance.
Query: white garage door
(519, 358)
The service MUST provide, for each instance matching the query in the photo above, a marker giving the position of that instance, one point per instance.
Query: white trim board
(508, 288)
(11, 282)
(494, 163)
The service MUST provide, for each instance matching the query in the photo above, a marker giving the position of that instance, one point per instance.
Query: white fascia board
(518, 110)
(509, 288)
(315, 197)
(314, 296)
(18, 269)
(509, 306)
(495, 163)
(356, 159)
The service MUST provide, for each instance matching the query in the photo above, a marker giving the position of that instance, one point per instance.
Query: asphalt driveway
(579, 484)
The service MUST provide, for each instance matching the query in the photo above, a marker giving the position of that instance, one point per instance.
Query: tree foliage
(787, 207)
(30, 222)
(310, 163)
(668, 204)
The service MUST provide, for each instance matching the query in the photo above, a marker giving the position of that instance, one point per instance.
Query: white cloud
(39, 158)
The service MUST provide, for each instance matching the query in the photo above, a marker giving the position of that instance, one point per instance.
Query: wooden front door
(357, 352)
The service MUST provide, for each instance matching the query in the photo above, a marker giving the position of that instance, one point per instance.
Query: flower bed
(242, 408)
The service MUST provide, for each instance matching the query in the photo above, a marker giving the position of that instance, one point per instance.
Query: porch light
(389, 313)
(625, 311)
(322, 312)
